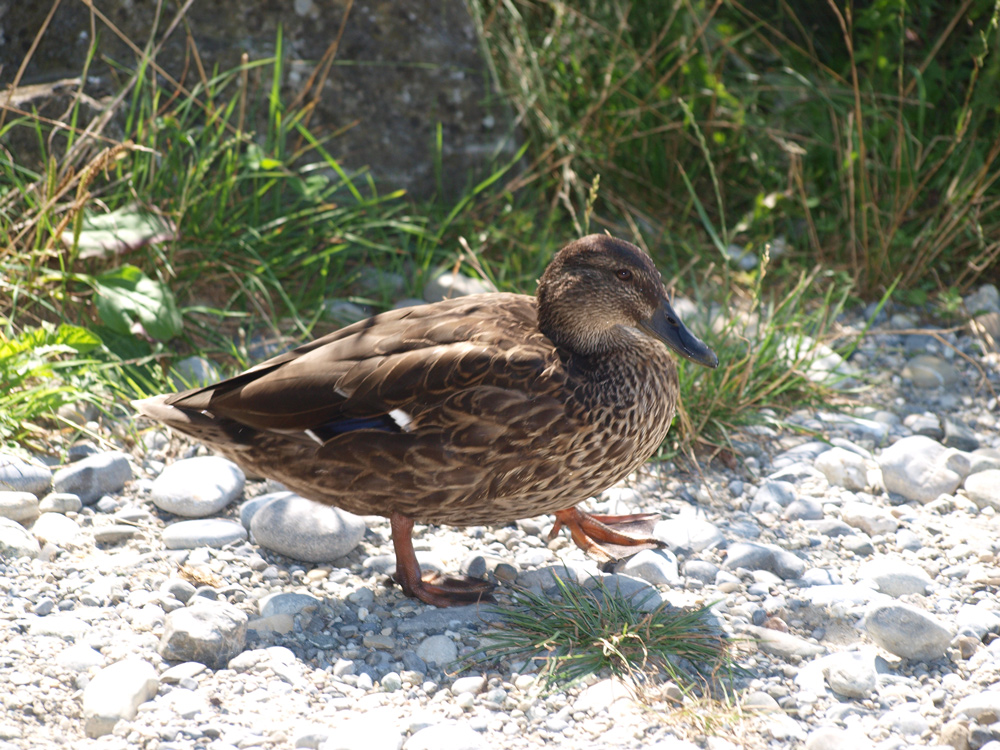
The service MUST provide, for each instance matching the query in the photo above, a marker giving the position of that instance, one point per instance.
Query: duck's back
(460, 412)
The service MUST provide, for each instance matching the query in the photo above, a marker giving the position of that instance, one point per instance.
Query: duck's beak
(666, 326)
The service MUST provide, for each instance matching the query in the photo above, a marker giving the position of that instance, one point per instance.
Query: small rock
(930, 371)
(197, 487)
(79, 658)
(18, 475)
(114, 534)
(60, 502)
(287, 603)
(448, 736)
(438, 650)
(906, 631)
(959, 436)
(955, 734)
(115, 693)
(804, 509)
(835, 738)
(208, 632)
(973, 706)
(984, 489)
(18, 506)
(203, 532)
(870, 519)
(305, 530)
(843, 468)
(688, 535)
(772, 496)
(782, 644)
(851, 675)
(57, 529)
(922, 469)
(473, 684)
(753, 556)
(94, 477)
(895, 577)
(654, 566)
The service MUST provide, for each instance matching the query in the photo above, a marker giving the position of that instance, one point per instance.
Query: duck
(476, 410)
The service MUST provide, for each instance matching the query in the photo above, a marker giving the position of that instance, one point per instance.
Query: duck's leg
(597, 536)
(441, 591)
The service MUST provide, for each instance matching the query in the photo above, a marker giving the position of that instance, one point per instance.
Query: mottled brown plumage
(476, 410)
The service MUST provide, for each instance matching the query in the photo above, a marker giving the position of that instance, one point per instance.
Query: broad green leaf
(127, 296)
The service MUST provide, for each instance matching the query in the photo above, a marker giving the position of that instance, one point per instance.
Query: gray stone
(843, 468)
(977, 704)
(18, 475)
(782, 644)
(305, 530)
(435, 620)
(370, 731)
(203, 532)
(250, 507)
(438, 650)
(18, 506)
(977, 620)
(701, 570)
(906, 631)
(984, 489)
(831, 527)
(688, 534)
(772, 496)
(930, 371)
(447, 736)
(959, 436)
(767, 557)
(985, 299)
(93, 477)
(79, 658)
(60, 625)
(922, 469)
(926, 424)
(116, 693)
(287, 603)
(60, 502)
(57, 529)
(908, 540)
(983, 459)
(654, 566)
(472, 684)
(198, 487)
(851, 674)
(835, 738)
(895, 577)
(114, 534)
(208, 632)
(804, 509)
(449, 284)
(870, 519)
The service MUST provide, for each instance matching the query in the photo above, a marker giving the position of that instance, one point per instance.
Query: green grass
(583, 631)
(868, 138)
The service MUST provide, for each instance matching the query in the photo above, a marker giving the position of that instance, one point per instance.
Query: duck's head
(597, 285)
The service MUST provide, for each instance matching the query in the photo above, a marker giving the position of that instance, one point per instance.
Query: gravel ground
(147, 602)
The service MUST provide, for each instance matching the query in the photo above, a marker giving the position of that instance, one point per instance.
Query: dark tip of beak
(666, 326)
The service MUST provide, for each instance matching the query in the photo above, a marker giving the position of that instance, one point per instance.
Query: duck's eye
(624, 274)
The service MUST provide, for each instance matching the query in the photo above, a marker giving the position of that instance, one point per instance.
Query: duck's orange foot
(446, 591)
(608, 537)
(432, 588)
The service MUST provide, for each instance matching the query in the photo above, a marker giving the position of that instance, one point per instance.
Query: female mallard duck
(476, 410)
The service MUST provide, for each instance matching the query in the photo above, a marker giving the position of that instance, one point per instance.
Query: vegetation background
(785, 163)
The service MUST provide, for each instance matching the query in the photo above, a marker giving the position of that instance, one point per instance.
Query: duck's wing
(384, 372)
